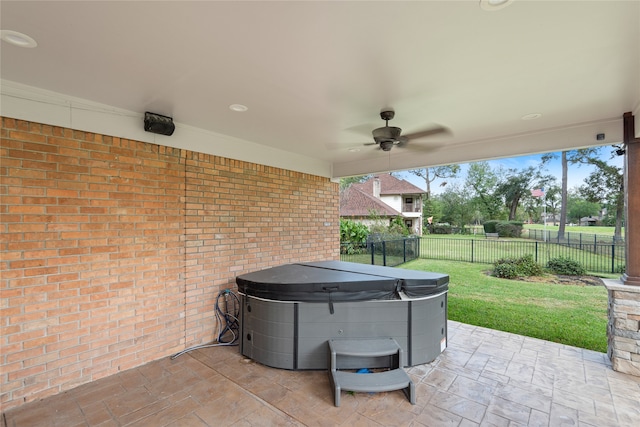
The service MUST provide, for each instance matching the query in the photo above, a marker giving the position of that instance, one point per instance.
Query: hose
(227, 312)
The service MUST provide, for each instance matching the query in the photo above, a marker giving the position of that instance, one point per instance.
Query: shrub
(509, 228)
(505, 269)
(353, 232)
(441, 228)
(528, 267)
(353, 236)
(503, 228)
(562, 265)
(510, 268)
(620, 269)
(398, 227)
(490, 226)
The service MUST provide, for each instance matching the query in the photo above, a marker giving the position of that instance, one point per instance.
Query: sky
(575, 176)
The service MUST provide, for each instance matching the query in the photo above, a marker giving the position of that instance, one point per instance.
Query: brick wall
(113, 250)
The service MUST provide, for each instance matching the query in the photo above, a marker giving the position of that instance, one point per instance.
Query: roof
(389, 185)
(356, 202)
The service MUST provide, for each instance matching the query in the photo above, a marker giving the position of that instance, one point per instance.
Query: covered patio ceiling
(527, 77)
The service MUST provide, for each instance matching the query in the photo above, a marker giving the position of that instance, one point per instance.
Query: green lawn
(608, 231)
(481, 250)
(478, 230)
(572, 315)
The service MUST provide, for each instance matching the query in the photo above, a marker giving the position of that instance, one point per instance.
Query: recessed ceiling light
(491, 5)
(353, 149)
(531, 116)
(17, 39)
(238, 107)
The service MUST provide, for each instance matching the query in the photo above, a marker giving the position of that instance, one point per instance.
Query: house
(383, 196)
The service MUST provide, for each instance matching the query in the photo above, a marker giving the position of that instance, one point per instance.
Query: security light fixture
(156, 123)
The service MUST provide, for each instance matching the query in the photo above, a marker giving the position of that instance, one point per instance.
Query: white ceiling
(315, 75)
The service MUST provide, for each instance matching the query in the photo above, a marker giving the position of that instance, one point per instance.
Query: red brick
(26, 209)
(24, 354)
(31, 137)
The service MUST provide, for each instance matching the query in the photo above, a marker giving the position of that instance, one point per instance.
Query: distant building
(388, 197)
(589, 220)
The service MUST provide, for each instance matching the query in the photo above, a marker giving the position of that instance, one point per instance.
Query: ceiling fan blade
(427, 132)
(419, 147)
(364, 129)
(345, 147)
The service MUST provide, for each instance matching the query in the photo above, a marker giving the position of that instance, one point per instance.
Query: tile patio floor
(484, 378)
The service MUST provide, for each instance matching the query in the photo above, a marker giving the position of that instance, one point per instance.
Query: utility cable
(227, 312)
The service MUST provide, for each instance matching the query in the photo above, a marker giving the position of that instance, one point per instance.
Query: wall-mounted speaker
(156, 123)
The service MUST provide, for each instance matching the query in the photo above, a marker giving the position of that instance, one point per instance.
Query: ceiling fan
(387, 137)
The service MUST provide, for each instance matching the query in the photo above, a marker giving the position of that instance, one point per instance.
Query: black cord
(227, 311)
(229, 315)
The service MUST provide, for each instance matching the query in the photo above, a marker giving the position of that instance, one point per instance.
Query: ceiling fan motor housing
(386, 133)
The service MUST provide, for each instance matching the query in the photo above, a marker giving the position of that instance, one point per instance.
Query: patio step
(393, 379)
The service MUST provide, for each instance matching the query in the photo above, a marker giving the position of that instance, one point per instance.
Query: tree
(552, 200)
(483, 180)
(605, 185)
(576, 156)
(513, 188)
(345, 182)
(578, 207)
(563, 196)
(568, 157)
(518, 184)
(438, 172)
(534, 207)
(431, 208)
(457, 206)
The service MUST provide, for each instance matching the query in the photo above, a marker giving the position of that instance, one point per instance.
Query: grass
(482, 250)
(478, 231)
(608, 231)
(567, 314)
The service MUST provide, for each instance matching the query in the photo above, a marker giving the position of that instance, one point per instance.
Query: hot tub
(289, 312)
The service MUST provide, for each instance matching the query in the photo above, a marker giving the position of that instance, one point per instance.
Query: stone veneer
(623, 329)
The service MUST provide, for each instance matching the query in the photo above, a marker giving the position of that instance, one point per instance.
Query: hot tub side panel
(268, 331)
(428, 329)
(350, 320)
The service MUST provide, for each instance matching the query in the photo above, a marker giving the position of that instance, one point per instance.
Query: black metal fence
(388, 252)
(572, 237)
(594, 257)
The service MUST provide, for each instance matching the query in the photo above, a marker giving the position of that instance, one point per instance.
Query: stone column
(623, 329)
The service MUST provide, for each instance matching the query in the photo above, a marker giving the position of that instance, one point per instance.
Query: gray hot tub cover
(339, 281)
